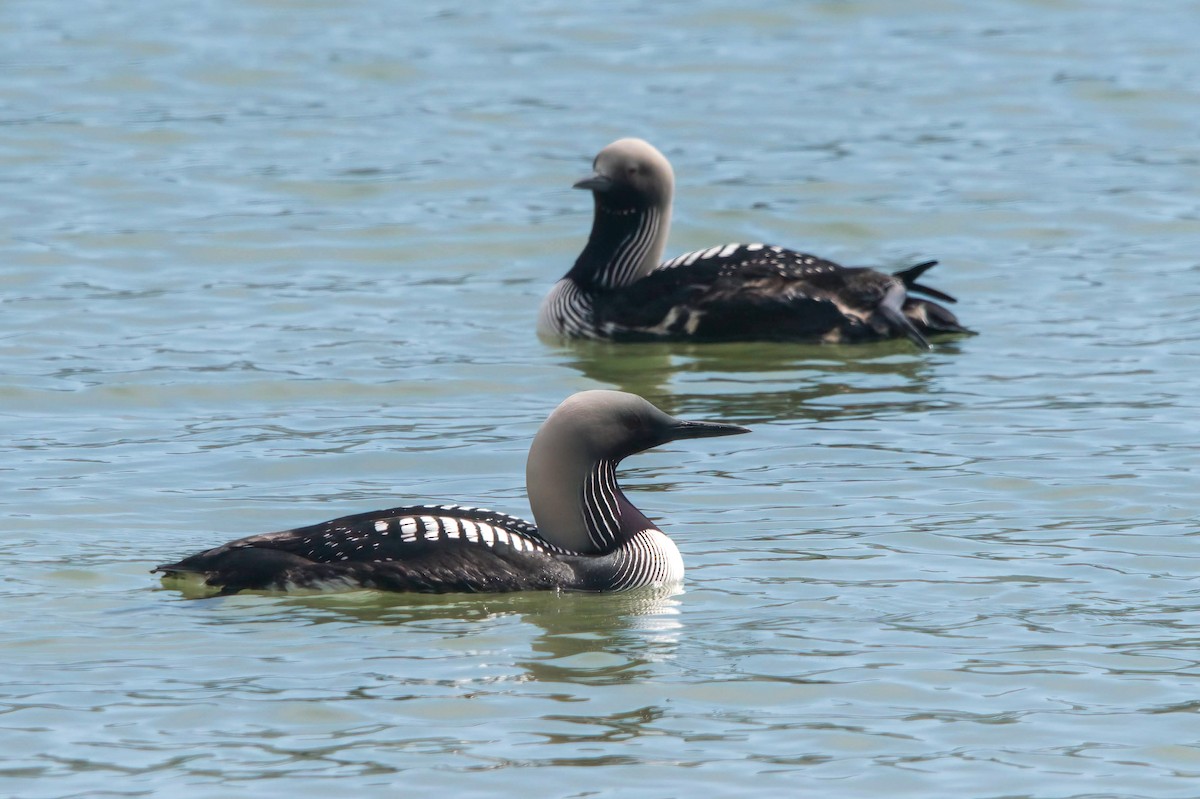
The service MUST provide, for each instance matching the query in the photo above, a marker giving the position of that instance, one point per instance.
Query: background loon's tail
(910, 275)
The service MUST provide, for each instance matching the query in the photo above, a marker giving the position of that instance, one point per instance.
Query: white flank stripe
(729, 250)
(408, 528)
(450, 524)
(432, 528)
(487, 532)
(470, 530)
(502, 535)
(381, 526)
(755, 247)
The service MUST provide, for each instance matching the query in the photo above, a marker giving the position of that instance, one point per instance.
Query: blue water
(268, 263)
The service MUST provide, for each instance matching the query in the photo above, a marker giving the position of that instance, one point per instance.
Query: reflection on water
(767, 382)
(583, 638)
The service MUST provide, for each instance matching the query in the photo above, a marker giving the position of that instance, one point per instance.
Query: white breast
(649, 558)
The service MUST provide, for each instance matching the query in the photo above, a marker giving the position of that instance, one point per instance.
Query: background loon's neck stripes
(568, 309)
(625, 245)
(628, 262)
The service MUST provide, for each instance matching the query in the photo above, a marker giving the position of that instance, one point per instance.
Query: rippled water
(266, 263)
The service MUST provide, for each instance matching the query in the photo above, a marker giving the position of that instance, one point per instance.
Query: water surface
(267, 263)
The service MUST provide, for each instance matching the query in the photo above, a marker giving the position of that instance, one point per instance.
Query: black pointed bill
(683, 429)
(596, 182)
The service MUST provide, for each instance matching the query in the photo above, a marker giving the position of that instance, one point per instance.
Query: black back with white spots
(619, 290)
(760, 292)
(424, 548)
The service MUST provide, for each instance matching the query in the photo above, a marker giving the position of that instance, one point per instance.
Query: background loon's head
(630, 174)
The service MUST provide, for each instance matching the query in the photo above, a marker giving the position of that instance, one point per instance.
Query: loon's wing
(753, 291)
(420, 548)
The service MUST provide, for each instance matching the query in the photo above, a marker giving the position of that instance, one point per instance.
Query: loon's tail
(910, 275)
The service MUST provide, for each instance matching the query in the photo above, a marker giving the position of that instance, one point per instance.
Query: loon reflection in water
(587, 537)
(618, 289)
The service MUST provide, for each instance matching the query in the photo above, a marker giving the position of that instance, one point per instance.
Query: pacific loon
(587, 536)
(620, 290)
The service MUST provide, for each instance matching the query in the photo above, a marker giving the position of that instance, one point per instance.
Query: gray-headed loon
(588, 536)
(619, 291)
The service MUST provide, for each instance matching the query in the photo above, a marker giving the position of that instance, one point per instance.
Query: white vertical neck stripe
(626, 263)
(601, 509)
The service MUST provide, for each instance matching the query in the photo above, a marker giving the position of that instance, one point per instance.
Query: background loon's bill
(588, 536)
(619, 289)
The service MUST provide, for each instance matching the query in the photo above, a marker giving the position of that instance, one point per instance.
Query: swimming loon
(619, 291)
(588, 536)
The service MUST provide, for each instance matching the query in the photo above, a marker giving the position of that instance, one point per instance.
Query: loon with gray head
(619, 290)
(588, 536)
